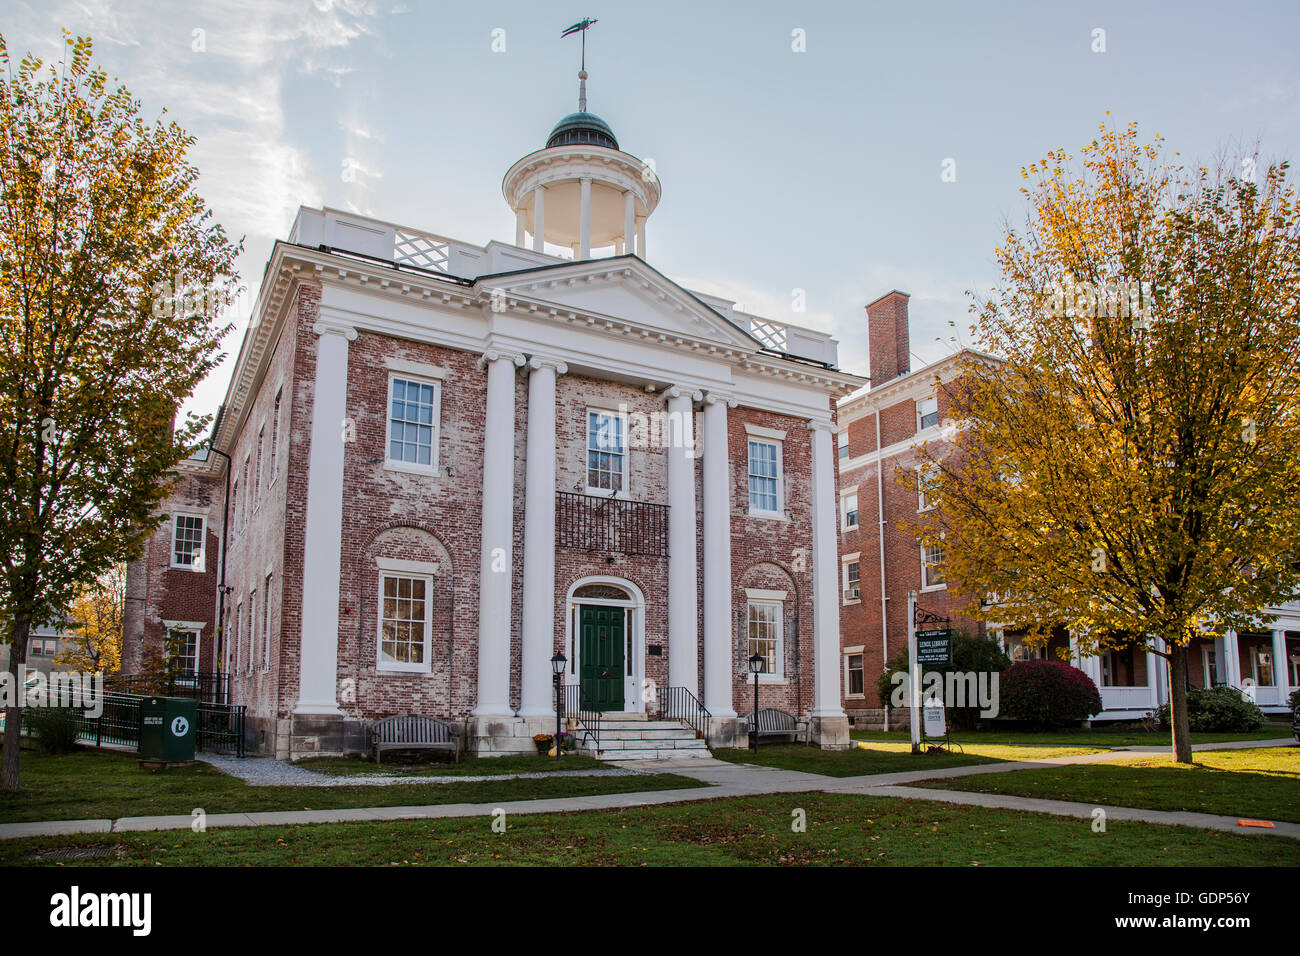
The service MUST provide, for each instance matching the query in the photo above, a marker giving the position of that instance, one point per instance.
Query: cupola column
(584, 218)
(539, 219)
(629, 221)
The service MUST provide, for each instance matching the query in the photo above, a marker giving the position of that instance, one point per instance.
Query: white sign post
(913, 674)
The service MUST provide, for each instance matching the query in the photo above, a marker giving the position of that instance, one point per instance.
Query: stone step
(637, 743)
(678, 754)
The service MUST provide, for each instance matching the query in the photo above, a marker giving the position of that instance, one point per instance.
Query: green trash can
(169, 727)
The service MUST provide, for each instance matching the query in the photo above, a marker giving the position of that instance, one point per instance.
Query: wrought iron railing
(592, 523)
(579, 705)
(220, 727)
(678, 703)
(205, 687)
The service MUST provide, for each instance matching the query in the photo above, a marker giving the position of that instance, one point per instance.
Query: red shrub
(1047, 693)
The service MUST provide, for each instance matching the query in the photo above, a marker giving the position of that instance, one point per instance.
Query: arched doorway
(605, 643)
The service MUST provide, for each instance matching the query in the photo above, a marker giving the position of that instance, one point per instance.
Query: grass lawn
(846, 763)
(1261, 783)
(95, 785)
(468, 766)
(841, 830)
(1081, 738)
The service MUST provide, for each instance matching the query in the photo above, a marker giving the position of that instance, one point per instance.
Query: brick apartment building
(438, 465)
(882, 487)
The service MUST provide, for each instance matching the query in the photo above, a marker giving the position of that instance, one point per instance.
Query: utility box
(169, 727)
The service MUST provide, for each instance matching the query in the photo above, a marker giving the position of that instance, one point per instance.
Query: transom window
(932, 567)
(850, 505)
(187, 542)
(606, 452)
(764, 476)
(927, 413)
(765, 635)
(404, 622)
(413, 422)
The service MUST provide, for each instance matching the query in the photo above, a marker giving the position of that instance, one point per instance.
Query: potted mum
(543, 743)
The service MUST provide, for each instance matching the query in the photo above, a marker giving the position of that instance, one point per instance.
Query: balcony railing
(590, 523)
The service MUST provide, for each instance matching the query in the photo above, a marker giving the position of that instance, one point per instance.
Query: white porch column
(640, 236)
(1280, 675)
(539, 219)
(1152, 679)
(519, 227)
(538, 641)
(718, 636)
(496, 561)
(629, 220)
(1232, 668)
(1161, 666)
(683, 571)
(827, 702)
(584, 217)
(323, 525)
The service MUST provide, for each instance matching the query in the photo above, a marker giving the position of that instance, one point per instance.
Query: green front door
(601, 656)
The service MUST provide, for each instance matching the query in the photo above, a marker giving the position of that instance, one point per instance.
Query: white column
(1279, 666)
(826, 605)
(683, 571)
(519, 227)
(496, 563)
(718, 635)
(640, 237)
(1232, 669)
(538, 641)
(323, 526)
(584, 217)
(539, 219)
(1158, 673)
(629, 220)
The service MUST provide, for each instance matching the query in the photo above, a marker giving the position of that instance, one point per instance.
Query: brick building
(442, 464)
(881, 431)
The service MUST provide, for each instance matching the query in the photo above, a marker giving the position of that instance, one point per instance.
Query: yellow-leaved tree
(95, 642)
(1131, 468)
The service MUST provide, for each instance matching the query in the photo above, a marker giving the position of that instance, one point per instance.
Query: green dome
(582, 129)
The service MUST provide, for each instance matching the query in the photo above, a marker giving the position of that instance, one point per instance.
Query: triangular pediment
(625, 290)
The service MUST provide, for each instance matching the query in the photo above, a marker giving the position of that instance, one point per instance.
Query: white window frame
(248, 488)
(586, 459)
(200, 560)
(393, 464)
(756, 598)
(257, 468)
(845, 561)
(842, 443)
(845, 511)
(275, 435)
(850, 652)
(924, 502)
(1209, 659)
(779, 445)
(266, 624)
(397, 667)
(920, 416)
(252, 629)
(189, 627)
(234, 507)
(925, 578)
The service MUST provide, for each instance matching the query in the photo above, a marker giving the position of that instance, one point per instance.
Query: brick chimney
(888, 344)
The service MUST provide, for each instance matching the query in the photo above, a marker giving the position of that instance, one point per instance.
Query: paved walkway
(269, 772)
(727, 780)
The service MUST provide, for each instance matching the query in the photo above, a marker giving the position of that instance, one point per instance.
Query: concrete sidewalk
(726, 779)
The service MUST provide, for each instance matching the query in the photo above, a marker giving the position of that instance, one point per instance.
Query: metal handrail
(679, 703)
(589, 717)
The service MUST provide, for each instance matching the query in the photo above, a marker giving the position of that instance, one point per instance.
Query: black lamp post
(557, 668)
(755, 668)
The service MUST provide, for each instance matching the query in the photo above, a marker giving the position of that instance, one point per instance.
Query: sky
(801, 146)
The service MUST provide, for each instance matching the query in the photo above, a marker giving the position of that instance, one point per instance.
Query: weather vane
(582, 26)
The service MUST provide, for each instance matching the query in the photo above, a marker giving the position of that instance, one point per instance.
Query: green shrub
(1217, 710)
(1048, 694)
(970, 654)
(55, 728)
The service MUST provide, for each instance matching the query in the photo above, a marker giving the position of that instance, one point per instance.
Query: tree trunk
(1178, 702)
(14, 715)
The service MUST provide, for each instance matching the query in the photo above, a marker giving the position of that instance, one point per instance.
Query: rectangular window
(413, 422)
(252, 629)
(1262, 660)
(275, 435)
(856, 683)
(765, 635)
(606, 452)
(239, 637)
(842, 442)
(248, 490)
(852, 581)
(404, 622)
(1210, 663)
(266, 625)
(257, 479)
(187, 542)
(764, 476)
(184, 644)
(849, 503)
(931, 567)
(234, 508)
(927, 413)
(926, 485)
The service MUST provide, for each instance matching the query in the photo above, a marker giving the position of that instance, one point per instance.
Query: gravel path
(268, 772)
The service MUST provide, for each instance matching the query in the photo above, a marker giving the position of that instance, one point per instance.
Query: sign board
(934, 716)
(934, 646)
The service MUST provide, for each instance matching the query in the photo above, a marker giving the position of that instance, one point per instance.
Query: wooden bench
(413, 732)
(776, 723)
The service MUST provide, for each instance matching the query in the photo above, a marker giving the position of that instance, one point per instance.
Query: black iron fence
(590, 523)
(208, 688)
(579, 705)
(220, 730)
